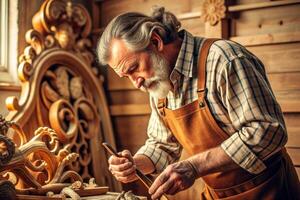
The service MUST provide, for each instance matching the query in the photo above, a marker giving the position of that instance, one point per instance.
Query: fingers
(127, 179)
(164, 188)
(126, 154)
(123, 167)
(114, 160)
(123, 172)
(160, 185)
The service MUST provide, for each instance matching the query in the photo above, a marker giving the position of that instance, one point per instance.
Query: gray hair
(135, 29)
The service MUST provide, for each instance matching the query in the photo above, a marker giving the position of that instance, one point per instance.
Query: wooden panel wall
(270, 29)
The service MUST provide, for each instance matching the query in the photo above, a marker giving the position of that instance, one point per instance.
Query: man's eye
(131, 69)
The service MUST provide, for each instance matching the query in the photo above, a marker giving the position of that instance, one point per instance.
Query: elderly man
(211, 98)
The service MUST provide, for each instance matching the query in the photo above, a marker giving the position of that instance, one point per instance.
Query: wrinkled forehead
(119, 53)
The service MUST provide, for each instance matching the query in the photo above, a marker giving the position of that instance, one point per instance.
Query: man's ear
(156, 41)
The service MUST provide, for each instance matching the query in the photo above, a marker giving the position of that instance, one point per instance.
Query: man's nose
(138, 82)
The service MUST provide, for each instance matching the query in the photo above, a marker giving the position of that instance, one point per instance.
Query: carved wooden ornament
(213, 11)
(60, 90)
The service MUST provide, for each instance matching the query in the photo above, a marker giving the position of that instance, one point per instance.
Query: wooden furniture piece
(62, 90)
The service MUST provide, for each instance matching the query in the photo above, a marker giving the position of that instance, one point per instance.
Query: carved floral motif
(213, 11)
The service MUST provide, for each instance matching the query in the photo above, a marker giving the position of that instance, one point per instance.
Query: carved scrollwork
(39, 163)
(60, 90)
(213, 11)
(72, 113)
(63, 119)
(58, 23)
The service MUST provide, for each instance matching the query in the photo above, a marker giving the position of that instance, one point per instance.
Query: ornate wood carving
(62, 90)
(39, 166)
(213, 11)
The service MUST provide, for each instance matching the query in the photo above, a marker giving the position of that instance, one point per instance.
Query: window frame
(8, 46)
(4, 35)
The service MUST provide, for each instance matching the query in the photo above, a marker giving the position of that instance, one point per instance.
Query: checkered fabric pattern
(240, 99)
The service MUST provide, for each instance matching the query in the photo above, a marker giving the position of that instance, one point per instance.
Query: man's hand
(175, 178)
(123, 168)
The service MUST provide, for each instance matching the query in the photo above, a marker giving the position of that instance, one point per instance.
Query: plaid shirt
(240, 99)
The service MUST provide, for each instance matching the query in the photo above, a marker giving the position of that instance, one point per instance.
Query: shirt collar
(184, 62)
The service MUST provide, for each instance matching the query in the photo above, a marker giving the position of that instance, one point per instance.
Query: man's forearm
(144, 164)
(212, 160)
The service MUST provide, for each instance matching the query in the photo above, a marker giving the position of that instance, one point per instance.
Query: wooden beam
(130, 109)
(295, 155)
(10, 87)
(263, 39)
(251, 6)
(189, 15)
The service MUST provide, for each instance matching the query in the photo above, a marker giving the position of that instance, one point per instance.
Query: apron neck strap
(203, 53)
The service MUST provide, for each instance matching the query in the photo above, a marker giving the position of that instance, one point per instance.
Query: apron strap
(203, 53)
(204, 50)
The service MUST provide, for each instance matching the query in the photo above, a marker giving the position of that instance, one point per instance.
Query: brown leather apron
(196, 130)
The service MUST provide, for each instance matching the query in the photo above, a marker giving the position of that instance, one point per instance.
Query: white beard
(159, 85)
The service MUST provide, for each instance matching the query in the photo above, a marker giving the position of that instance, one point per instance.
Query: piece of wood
(137, 131)
(114, 82)
(274, 38)
(91, 191)
(36, 197)
(285, 81)
(293, 129)
(121, 97)
(289, 100)
(189, 15)
(278, 61)
(298, 171)
(295, 155)
(10, 87)
(266, 21)
(130, 109)
(259, 5)
(114, 8)
(293, 137)
(194, 26)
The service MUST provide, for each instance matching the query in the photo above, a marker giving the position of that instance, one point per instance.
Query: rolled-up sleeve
(254, 112)
(161, 146)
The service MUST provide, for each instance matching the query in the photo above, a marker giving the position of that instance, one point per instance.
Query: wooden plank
(194, 26)
(285, 81)
(114, 82)
(295, 155)
(9, 87)
(130, 109)
(289, 100)
(131, 131)
(115, 7)
(128, 97)
(189, 15)
(298, 171)
(282, 60)
(293, 129)
(270, 38)
(265, 21)
(293, 137)
(260, 5)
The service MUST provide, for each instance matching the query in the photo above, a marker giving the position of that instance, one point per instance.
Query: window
(3, 34)
(8, 41)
